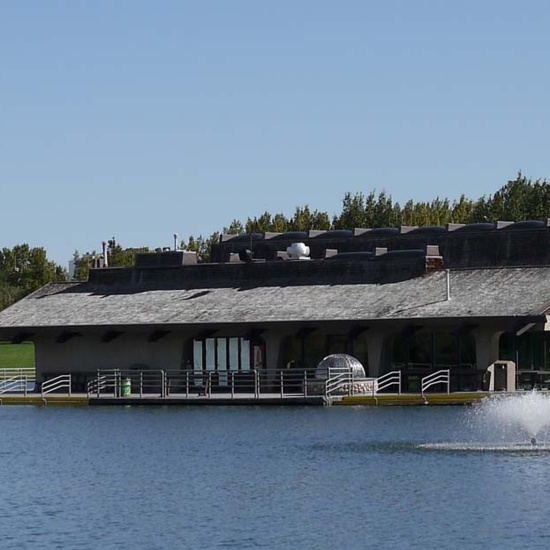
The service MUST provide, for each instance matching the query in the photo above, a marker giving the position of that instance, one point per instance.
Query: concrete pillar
(486, 340)
(39, 360)
(272, 349)
(376, 349)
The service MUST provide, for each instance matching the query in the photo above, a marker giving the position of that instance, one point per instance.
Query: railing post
(399, 383)
(423, 385)
(232, 384)
(162, 384)
(141, 383)
(305, 383)
(265, 377)
(282, 382)
(187, 384)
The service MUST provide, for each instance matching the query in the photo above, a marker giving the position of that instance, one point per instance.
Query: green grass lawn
(16, 355)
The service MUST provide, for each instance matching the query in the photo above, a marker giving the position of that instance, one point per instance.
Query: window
(227, 354)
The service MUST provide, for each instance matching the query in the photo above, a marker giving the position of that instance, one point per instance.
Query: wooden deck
(458, 398)
(267, 399)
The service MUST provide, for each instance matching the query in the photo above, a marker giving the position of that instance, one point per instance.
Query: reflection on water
(488, 448)
(462, 446)
(157, 478)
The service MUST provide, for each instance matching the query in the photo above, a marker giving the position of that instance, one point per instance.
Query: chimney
(175, 241)
(434, 262)
(105, 262)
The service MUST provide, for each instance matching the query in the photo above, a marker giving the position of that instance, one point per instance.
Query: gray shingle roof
(497, 292)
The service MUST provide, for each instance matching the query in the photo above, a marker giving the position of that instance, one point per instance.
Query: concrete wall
(88, 353)
(477, 245)
(83, 356)
(386, 268)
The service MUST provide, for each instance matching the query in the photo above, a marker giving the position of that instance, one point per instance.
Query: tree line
(24, 269)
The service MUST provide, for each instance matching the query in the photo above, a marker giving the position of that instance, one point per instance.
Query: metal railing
(255, 383)
(120, 383)
(123, 383)
(103, 383)
(210, 384)
(17, 380)
(439, 377)
(252, 383)
(29, 372)
(61, 382)
(343, 381)
(388, 380)
(15, 384)
(338, 379)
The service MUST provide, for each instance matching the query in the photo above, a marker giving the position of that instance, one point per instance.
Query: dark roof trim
(21, 337)
(304, 332)
(67, 335)
(110, 335)
(157, 335)
(207, 333)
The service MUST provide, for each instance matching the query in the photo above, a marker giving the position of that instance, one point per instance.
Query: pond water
(165, 478)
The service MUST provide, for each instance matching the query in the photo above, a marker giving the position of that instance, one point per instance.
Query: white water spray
(504, 423)
(516, 414)
(511, 422)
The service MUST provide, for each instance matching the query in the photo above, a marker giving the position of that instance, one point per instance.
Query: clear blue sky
(140, 119)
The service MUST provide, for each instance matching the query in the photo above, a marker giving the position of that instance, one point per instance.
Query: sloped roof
(497, 292)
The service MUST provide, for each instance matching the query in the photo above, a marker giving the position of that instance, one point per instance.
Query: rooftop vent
(298, 251)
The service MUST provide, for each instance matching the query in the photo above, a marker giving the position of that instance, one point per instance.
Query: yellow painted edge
(46, 401)
(412, 399)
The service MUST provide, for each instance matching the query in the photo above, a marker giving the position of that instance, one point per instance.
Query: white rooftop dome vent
(298, 251)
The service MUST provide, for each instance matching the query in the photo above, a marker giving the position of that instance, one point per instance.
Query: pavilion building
(412, 299)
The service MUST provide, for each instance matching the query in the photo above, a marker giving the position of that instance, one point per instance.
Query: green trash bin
(414, 383)
(126, 387)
